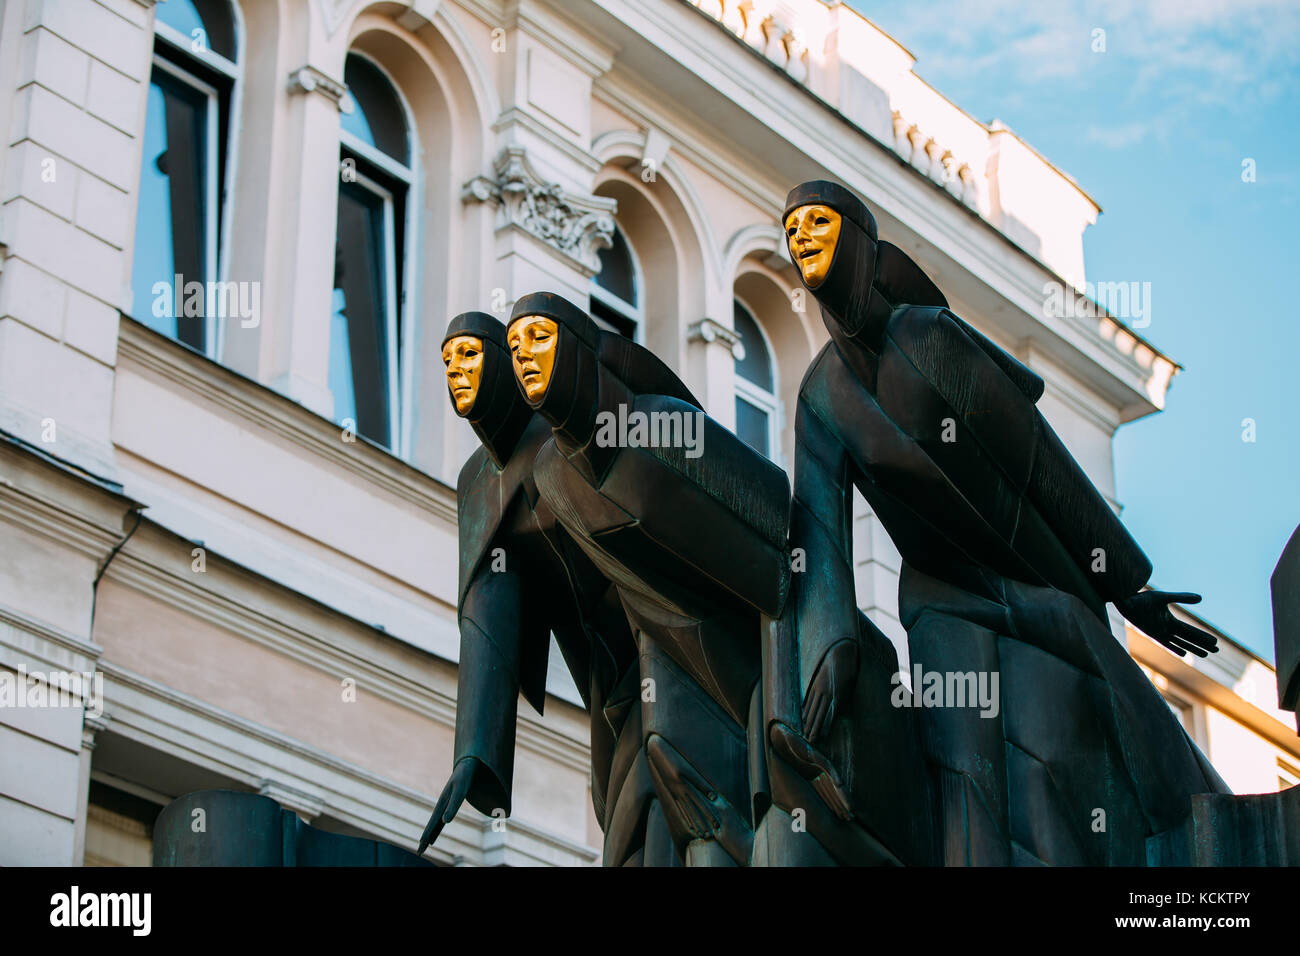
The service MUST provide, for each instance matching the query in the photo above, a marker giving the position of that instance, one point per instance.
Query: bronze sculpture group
(744, 711)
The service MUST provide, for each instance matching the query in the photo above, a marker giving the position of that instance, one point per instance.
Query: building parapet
(860, 71)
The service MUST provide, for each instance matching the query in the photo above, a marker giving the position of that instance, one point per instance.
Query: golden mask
(532, 340)
(812, 232)
(463, 356)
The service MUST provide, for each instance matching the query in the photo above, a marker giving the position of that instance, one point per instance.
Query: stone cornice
(534, 845)
(53, 516)
(179, 724)
(513, 115)
(306, 805)
(146, 711)
(491, 12)
(328, 649)
(56, 524)
(620, 92)
(66, 651)
(268, 409)
(562, 36)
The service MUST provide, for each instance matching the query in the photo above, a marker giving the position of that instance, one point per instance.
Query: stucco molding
(54, 522)
(307, 805)
(514, 120)
(310, 79)
(285, 418)
(711, 331)
(328, 650)
(39, 642)
(766, 238)
(576, 225)
(196, 732)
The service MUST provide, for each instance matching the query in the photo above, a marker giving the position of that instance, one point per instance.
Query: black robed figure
(690, 525)
(521, 578)
(1010, 556)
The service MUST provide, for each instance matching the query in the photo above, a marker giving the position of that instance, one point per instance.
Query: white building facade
(231, 235)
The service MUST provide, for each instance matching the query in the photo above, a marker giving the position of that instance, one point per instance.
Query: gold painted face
(812, 232)
(532, 340)
(463, 357)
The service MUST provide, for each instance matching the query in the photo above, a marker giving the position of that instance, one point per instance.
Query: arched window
(756, 404)
(616, 289)
(183, 171)
(370, 253)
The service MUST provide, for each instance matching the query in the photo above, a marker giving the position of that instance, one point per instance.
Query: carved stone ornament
(709, 331)
(578, 226)
(309, 79)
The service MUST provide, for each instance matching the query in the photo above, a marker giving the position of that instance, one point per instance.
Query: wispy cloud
(1118, 137)
(1172, 54)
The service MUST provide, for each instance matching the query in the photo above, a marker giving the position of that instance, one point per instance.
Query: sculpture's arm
(1103, 548)
(979, 383)
(487, 695)
(1070, 503)
(824, 599)
(810, 655)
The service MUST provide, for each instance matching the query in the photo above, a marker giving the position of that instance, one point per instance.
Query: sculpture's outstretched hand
(1149, 610)
(449, 804)
(813, 766)
(831, 689)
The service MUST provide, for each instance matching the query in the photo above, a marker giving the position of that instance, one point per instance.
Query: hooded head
(481, 383)
(554, 347)
(832, 240)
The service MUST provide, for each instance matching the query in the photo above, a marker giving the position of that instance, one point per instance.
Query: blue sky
(1156, 129)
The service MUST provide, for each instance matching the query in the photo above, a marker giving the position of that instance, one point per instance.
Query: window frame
(390, 305)
(758, 396)
(399, 302)
(212, 175)
(634, 312)
(221, 178)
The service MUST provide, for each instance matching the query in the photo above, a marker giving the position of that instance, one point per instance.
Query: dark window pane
(751, 427)
(213, 17)
(376, 118)
(359, 326)
(617, 275)
(612, 319)
(756, 366)
(171, 232)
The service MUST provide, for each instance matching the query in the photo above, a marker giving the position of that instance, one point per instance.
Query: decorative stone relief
(308, 79)
(709, 331)
(578, 226)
